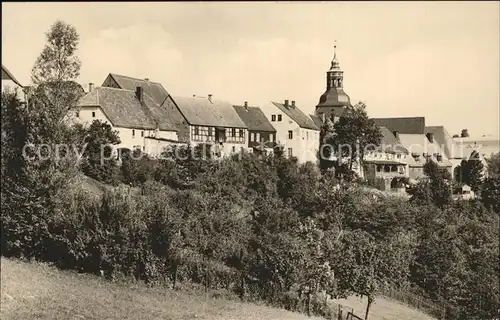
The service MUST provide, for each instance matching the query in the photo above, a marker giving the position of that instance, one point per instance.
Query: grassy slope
(36, 291)
(382, 309)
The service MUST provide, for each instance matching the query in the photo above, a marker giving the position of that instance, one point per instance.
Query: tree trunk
(368, 304)
(309, 304)
(176, 267)
(242, 293)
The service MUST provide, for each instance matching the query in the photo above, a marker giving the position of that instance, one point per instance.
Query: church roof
(334, 97)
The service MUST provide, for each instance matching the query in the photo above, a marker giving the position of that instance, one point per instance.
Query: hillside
(37, 291)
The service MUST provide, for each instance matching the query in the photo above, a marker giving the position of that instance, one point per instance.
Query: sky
(439, 60)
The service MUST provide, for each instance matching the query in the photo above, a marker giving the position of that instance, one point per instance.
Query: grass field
(38, 291)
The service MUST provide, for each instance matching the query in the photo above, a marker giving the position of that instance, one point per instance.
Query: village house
(141, 123)
(212, 122)
(387, 162)
(9, 82)
(421, 145)
(261, 133)
(295, 131)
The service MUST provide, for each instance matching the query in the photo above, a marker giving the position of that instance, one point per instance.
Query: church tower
(332, 103)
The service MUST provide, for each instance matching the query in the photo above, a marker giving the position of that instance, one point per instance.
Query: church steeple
(334, 76)
(333, 101)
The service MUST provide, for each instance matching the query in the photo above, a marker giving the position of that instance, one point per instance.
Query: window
(233, 132)
(279, 117)
(209, 131)
(307, 135)
(143, 148)
(257, 137)
(252, 136)
(379, 168)
(273, 117)
(234, 149)
(78, 114)
(290, 153)
(241, 133)
(398, 156)
(196, 131)
(133, 133)
(93, 114)
(290, 134)
(142, 133)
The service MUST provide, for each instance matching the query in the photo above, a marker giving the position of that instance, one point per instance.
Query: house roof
(298, 116)
(203, 112)
(317, 120)
(254, 118)
(123, 109)
(7, 75)
(408, 125)
(418, 143)
(153, 89)
(443, 138)
(390, 142)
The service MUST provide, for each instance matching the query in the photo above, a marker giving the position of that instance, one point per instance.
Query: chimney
(91, 86)
(396, 134)
(293, 103)
(139, 94)
(210, 97)
(246, 105)
(146, 79)
(286, 103)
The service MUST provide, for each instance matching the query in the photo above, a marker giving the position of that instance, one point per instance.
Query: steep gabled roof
(317, 120)
(123, 109)
(7, 75)
(408, 125)
(298, 116)
(203, 112)
(254, 118)
(153, 89)
(443, 138)
(390, 142)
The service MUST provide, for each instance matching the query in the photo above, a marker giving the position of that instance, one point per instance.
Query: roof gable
(390, 142)
(153, 89)
(298, 116)
(254, 118)
(7, 75)
(408, 125)
(123, 109)
(203, 112)
(317, 120)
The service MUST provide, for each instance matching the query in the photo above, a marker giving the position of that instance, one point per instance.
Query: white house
(140, 121)
(295, 131)
(9, 82)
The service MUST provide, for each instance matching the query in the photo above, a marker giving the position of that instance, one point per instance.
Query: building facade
(138, 119)
(213, 122)
(261, 133)
(296, 132)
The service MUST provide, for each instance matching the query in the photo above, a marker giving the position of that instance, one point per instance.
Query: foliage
(100, 163)
(493, 167)
(473, 171)
(490, 193)
(356, 131)
(435, 188)
(137, 167)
